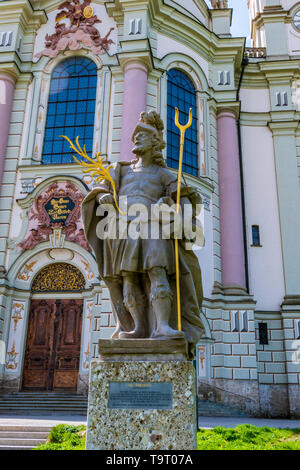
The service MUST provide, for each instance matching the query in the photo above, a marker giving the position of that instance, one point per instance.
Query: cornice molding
(10, 68)
(270, 16)
(9, 74)
(280, 67)
(171, 22)
(262, 74)
(6, 76)
(10, 62)
(21, 11)
(221, 12)
(283, 128)
(142, 56)
(232, 108)
(255, 119)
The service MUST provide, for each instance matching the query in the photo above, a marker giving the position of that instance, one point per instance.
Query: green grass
(248, 437)
(243, 437)
(65, 437)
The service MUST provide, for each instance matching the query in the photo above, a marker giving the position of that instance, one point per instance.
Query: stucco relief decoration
(17, 317)
(58, 207)
(88, 329)
(78, 32)
(26, 271)
(11, 360)
(202, 361)
(87, 268)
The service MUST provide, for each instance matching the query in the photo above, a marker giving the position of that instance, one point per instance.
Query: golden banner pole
(182, 135)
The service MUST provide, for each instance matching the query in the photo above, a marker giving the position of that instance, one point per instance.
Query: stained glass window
(182, 94)
(71, 109)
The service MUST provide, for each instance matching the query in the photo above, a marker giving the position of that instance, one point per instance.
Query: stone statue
(140, 273)
(219, 3)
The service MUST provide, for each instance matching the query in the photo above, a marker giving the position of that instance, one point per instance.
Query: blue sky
(240, 19)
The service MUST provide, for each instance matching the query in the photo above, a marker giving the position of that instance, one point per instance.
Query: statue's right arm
(104, 192)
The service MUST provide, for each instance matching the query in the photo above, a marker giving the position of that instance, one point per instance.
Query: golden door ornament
(58, 277)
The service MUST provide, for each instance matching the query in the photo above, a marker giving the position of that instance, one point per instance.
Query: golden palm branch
(94, 167)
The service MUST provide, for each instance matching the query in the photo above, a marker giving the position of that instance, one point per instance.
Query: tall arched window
(182, 94)
(71, 109)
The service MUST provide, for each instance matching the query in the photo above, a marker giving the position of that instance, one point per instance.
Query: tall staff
(182, 134)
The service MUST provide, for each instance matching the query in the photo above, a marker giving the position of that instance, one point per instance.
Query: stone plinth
(143, 350)
(142, 428)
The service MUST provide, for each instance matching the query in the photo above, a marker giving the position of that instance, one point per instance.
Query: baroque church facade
(88, 69)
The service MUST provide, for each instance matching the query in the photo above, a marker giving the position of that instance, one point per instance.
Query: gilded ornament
(88, 12)
(58, 277)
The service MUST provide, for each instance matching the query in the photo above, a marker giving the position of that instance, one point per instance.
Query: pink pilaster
(7, 88)
(232, 241)
(134, 102)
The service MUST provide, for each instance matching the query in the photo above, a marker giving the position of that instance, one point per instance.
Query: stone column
(7, 88)
(134, 102)
(231, 222)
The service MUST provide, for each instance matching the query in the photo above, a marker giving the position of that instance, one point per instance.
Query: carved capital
(230, 109)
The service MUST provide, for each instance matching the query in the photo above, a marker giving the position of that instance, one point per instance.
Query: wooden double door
(53, 345)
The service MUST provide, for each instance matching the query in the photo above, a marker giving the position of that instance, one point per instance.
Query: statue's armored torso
(144, 185)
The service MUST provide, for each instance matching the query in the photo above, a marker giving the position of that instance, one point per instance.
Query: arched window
(71, 109)
(182, 94)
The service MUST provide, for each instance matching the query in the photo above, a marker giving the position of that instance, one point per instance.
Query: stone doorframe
(18, 301)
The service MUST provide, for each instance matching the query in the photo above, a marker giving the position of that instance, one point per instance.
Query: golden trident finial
(94, 167)
(182, 129)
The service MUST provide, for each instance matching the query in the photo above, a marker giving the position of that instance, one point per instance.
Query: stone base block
(274, 401)
(294, 395)
(145, 349)
(142, 428)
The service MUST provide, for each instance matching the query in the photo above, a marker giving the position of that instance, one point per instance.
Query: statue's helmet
(151, 122)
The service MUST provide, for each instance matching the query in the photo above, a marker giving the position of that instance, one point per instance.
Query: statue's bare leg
(122, 318)
(134, 301)
(161, 298)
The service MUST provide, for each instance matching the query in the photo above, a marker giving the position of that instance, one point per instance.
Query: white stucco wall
(265, 263)
(166, 45)
(293, 39)
(193, 8)
(205, 254)
(255, 100)
(287, 4)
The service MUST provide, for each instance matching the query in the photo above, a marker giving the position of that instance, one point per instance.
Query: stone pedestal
(167, 421)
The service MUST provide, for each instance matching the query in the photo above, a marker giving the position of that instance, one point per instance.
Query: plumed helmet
(151, 122)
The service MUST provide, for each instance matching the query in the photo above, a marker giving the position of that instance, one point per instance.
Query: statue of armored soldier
(140, 271)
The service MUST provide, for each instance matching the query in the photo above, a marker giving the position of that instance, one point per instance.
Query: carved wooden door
(64, 364)
(53, 345)
(39, 344)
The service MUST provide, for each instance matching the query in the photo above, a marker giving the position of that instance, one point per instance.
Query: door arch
(53, 343)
